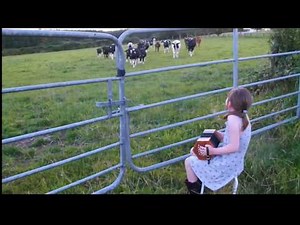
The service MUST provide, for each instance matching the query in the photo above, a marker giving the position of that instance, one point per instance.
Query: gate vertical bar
(235, 57)
(109, 97)
(124, 136)
(298, 106)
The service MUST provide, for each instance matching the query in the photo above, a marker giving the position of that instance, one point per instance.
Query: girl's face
(226, 103)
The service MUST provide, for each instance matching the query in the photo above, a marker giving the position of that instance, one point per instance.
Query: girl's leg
(191, 176)
(192, 182)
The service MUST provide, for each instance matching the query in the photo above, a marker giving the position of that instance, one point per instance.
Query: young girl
(228, 160)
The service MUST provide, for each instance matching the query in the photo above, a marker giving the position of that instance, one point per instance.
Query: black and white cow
(151, 41)
(133, 55)
(128, 51)
(99, 51)
(186, 40)
(130, 45)
(166, 44)
(142, 54)
(109, 51)
(176, 45)
(143, 44)
(136, 55)
(191, 44)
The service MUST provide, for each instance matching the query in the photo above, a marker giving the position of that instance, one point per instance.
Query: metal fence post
(298, 105)
(235, 57)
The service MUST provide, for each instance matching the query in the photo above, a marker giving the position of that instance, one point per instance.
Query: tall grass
(268, 169)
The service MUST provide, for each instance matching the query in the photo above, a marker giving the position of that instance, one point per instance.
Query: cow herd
(107, 51)
(137, 53)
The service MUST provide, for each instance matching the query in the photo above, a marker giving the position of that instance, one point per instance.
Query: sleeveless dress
(222, 168)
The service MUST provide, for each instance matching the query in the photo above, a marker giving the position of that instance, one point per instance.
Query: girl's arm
(234, 129)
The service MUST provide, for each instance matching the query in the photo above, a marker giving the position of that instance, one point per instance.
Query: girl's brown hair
(241, 100)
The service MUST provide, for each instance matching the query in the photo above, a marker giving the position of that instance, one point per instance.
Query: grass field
(272, 164)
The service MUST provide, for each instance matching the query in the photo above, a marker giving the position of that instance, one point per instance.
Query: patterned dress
(222, 168)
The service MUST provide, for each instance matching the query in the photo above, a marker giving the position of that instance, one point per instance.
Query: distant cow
(176, 45)
(166, 45)
(143, 44)
(99, 51)
(130, 45)
(133, 55)
(109, 51)
(136, 55)
(128, 52)
(186, 42)
(191, 44)
(142, 54)
(152, 41)
(157, 46)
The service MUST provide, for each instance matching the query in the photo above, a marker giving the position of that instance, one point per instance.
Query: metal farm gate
(123, 114)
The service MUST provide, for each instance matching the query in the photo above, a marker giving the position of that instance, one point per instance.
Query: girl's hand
(203, 151)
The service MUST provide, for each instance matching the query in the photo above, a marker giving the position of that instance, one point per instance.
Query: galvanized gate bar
(101, 173)
(178, 99)
(57, 129)
(272, 126)
(273, 114)
(298, 109)
(169, 68)
(270, 80)
(56, 85)
(59, 163)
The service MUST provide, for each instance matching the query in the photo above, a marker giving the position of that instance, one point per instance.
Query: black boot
(193, 188)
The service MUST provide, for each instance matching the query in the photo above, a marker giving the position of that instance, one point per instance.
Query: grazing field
(272, 164)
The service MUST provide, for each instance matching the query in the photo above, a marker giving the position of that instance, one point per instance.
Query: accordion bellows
(207, 137)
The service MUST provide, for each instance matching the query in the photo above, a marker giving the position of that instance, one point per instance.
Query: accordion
(207, 137)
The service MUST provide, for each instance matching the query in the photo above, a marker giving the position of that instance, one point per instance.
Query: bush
(285, 40)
